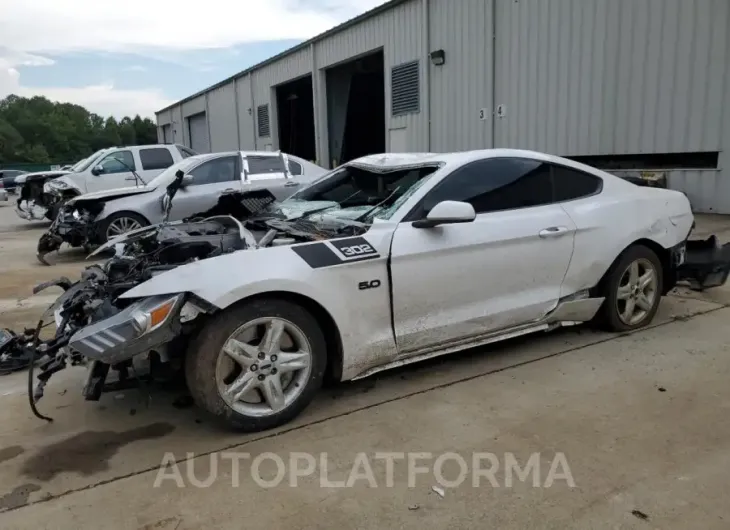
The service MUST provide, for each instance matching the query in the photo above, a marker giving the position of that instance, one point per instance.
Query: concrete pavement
(641, 420)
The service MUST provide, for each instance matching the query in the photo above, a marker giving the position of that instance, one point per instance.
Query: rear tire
(632, 290)
(233, 375)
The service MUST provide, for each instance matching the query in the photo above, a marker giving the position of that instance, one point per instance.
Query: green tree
(127, 132)
(37, 130)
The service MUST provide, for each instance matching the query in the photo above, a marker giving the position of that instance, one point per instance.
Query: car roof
(388, 161)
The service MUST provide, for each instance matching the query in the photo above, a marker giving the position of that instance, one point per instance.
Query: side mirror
(447, 212)
(187, 180)
(97, 170)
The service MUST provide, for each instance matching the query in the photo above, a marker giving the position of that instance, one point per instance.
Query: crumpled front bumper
(127, 334)
(65, 228)
(30, 211)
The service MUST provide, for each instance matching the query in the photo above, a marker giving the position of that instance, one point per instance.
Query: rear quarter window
(155, 158)
(258, 165)
(570, 184)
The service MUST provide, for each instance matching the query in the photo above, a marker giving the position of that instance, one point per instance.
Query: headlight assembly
(151, 316)
(58, 184)
(137, 329)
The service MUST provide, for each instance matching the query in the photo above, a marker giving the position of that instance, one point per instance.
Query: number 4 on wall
(500, 112)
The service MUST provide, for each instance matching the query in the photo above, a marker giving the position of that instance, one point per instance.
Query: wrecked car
(393, 259)
(33, 203)
(112, 167)
(94, 218)
(37, 199)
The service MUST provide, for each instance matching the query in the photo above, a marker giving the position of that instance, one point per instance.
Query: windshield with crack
(359, 194)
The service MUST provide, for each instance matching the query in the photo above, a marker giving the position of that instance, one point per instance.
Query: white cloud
(43, 26)
(104, 99)
(136, 68)
(30, 29)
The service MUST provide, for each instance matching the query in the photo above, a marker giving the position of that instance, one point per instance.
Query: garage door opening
(356, 108)
(295, 109)
(198, 133)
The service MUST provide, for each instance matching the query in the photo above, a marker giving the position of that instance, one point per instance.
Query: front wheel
(258, 365)
(633, 290)
(120, 223)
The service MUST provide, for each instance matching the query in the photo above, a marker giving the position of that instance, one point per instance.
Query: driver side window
(111, 163)
(493, 185)
(215, 171)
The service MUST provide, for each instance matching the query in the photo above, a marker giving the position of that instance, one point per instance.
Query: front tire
(632, 290)
(258, 365)
(118, 224)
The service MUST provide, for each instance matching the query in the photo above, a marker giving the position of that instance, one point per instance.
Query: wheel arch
(119, 212)
(333, 338)
(662, 253)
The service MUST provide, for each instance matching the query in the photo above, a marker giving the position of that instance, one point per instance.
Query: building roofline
(341, 27)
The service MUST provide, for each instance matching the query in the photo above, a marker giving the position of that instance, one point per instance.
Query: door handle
(290, 184)
(553, 231)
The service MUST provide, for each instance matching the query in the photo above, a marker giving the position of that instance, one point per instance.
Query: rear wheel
(120, 223)
(258, 365)
(633, 290)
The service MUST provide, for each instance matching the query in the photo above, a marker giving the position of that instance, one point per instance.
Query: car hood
(116, 193)
(39, 175)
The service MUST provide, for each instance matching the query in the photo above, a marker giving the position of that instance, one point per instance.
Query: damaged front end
(96, 328)
(73, 225)
(36, 200)
(108, 333)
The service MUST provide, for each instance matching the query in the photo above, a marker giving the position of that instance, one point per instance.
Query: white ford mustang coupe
(396, 258)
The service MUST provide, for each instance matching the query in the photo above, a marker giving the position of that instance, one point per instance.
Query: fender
(331, 273)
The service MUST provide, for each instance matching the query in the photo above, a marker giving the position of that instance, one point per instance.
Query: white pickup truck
(111, 168)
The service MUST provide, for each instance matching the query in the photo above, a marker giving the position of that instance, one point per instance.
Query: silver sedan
(115, 212)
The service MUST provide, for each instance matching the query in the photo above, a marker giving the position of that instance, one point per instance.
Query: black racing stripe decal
(319, 255)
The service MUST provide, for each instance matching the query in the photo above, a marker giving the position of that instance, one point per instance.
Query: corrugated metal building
(621, 84)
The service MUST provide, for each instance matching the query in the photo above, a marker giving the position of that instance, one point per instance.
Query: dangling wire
(34, 348)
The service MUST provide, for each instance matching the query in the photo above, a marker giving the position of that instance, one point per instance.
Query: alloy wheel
(120, 226)
(637, 291)
(263, 366)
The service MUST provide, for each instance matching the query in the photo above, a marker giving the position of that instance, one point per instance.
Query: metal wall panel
(222, 119)
(163, 118)
(462, 87)
(611, 77)
(177, 126)
(398, 32)
(194, 106)
(246, 125)
(705, 189)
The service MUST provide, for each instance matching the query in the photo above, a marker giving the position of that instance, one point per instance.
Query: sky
(127, 57)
